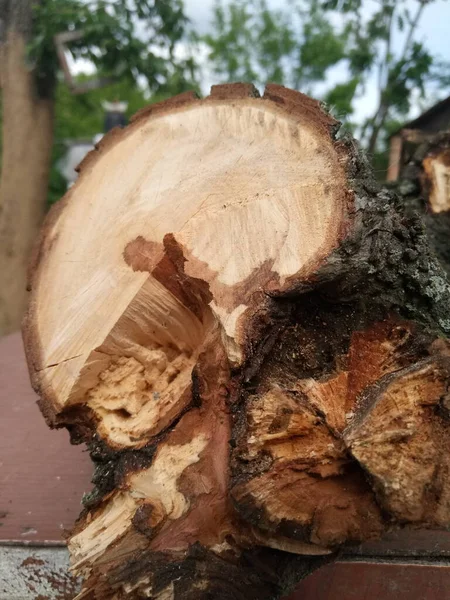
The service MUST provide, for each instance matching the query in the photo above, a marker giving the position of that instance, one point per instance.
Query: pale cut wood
(437, 169)
(248, 334)
(257, 199)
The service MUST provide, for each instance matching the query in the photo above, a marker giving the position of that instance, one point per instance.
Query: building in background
(115, 116)
(404, 142)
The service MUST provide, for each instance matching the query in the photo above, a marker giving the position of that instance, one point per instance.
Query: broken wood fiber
(250, 337)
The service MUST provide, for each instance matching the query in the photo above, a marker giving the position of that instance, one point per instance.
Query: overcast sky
(434, 31)
(434, 28)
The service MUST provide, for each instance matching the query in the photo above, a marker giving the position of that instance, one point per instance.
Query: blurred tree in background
(294, 46)
(384, 45)
(335, 50)
(128, 40)
(123, 39)
(302, 44)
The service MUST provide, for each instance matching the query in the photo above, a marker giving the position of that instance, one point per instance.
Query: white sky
(434, 30)
(435, 27)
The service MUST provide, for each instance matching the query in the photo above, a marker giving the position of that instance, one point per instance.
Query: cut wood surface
(437, 173)
(425, 187)
(250, 337)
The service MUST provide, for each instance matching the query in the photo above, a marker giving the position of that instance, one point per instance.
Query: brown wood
(27, 138)
(42, 477)
(47, 573)
(376, 581)
(23, 472)
(395, 157)
(249, 335)
(406, 543)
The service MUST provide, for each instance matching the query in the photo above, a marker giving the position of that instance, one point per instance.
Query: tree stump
(249, 335)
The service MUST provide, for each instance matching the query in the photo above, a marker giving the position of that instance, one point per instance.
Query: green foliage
(249, 42)
(122, 38)
(339, 99)
(321, 47)
(81, 116)
(381, 47)
(254, 43)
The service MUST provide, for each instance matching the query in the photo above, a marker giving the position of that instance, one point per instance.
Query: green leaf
(340, 98)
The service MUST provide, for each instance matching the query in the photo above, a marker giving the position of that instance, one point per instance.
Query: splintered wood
(207, 315)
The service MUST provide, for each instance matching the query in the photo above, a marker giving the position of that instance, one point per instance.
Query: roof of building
(422, 119)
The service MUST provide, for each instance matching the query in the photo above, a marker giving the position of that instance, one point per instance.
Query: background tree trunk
(27, 143)
(250, 336)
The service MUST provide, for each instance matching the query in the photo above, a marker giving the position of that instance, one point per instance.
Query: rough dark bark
(316, 418)
(27, 130)
(425, 189)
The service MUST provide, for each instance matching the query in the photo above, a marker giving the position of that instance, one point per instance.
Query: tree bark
(425, 188)
(27, 142)
(250, 337)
